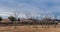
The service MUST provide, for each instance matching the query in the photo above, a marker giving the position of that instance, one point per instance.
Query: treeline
(45, 21)
(11, 18)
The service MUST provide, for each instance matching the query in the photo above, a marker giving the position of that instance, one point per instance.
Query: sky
(29, 8)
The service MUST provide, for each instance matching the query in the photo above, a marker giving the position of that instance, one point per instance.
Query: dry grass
(29, 29)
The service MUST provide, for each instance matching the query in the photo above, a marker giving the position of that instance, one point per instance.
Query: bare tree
(41, 22)
(55, 21)
(16, 14)
(46, 21)
(27, 16)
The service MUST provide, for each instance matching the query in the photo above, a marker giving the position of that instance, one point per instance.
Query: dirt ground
(30, 28)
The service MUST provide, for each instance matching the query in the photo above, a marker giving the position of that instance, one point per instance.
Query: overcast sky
(30, 7)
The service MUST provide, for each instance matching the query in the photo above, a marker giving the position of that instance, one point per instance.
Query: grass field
(30, 28)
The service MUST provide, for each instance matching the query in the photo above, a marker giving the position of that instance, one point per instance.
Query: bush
(12, 18)
(0, 18)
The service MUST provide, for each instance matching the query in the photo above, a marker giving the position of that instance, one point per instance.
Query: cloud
(29, 7)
